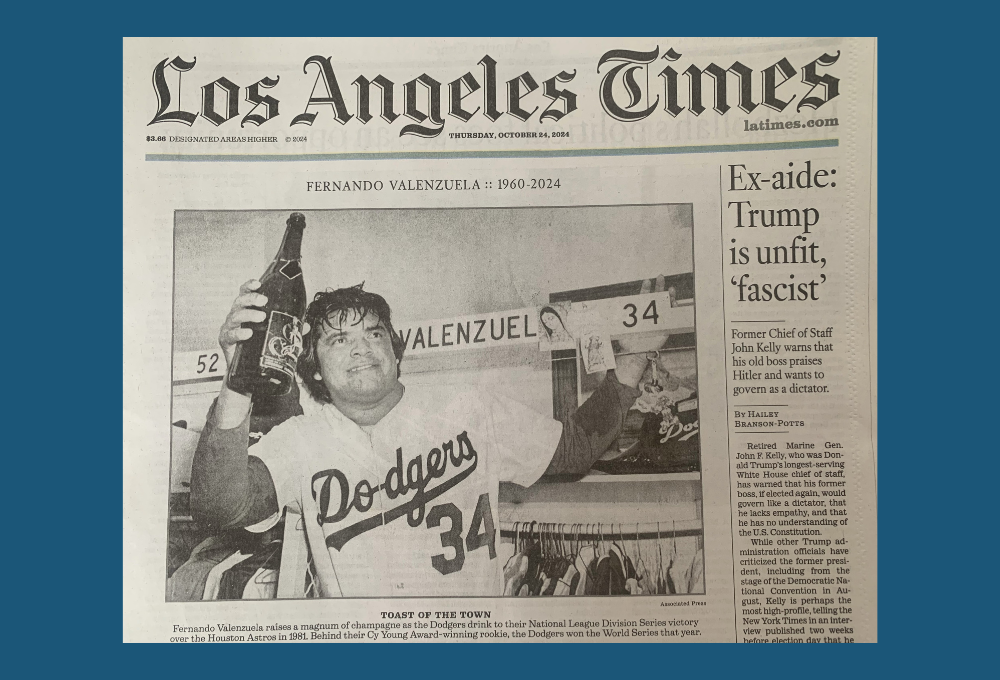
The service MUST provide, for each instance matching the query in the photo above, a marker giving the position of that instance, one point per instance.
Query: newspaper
(588, 353)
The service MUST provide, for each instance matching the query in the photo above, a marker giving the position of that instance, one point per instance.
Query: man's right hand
(245, 309)
(232, 408)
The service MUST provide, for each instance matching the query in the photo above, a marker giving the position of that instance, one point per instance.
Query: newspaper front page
(493, 340)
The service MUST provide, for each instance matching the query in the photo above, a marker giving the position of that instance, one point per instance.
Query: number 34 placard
(635, 314)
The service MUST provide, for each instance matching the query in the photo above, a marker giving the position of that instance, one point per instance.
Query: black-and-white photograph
(474, 402)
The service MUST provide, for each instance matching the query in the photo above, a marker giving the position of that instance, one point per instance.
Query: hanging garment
(182, 538)
(628, 571)
(642, 575)
(596, 572)
(187, 583)
(671, 583)
(574, 581)
(513, 573)
(548, 582)
(522, 574)
(505, 553)
(235, 580)
(555, 569)
(628, 568)
(696, 573)
(215, 575)
(567, 583)
(661, 580)
(262, 586)
(621, 565)
(610, 574)
(506, 550)
(679, 573)
(582, 565)
(533, 575)
(595, 564)
(670, 573)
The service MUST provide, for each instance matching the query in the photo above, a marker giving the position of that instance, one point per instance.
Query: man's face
(356, 361)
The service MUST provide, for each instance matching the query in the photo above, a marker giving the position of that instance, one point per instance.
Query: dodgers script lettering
(463, 459)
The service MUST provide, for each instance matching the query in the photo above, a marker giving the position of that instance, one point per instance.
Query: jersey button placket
(381, 572)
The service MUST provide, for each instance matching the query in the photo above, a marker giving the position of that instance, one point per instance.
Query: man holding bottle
(397, 486)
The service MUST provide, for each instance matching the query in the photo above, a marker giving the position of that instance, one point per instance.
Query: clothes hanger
(560, 531)
(567, 560)
(626, 558)
(639, 561)
(619, 544)
(620, 552)
(673, 550)
(638, 548)
(660, 581)
(671, 586)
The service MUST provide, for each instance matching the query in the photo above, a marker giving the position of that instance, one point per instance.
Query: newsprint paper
(499, 340)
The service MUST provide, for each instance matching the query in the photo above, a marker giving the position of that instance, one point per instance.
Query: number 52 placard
(199, 366)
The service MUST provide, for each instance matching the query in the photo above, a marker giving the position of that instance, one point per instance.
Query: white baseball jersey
(409, 506)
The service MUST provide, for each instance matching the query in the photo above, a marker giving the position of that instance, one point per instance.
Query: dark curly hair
(545, 326)
(334, 307)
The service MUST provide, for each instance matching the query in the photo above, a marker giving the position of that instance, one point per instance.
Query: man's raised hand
(245, 309)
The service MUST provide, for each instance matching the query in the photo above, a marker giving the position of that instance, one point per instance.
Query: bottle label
(291, 269)
(283, 343)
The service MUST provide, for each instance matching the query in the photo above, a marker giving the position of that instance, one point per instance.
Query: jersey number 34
(481, 533)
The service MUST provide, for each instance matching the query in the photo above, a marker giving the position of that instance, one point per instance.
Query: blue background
(62, 92)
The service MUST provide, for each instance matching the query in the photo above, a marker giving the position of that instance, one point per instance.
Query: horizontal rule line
(444, 155)
(192, 381)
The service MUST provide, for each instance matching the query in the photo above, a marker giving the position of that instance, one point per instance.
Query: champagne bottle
(264, 365)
